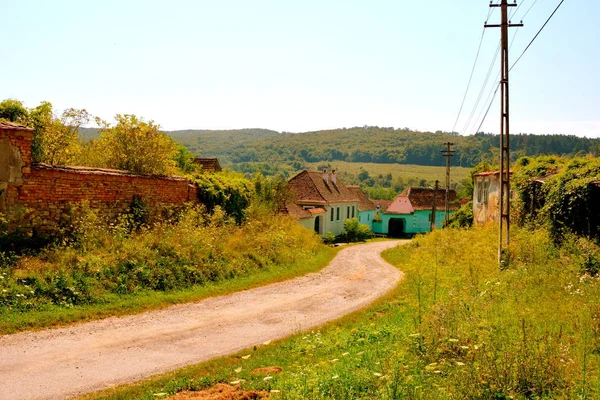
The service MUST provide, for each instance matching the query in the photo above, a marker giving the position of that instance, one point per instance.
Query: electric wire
(472, 71)
(492, 89)
(529, 9)
(516, 10)
(485, 82)
(537, 34)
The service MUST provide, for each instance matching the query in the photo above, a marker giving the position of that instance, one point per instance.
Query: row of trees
(130, 143)
(373, 144)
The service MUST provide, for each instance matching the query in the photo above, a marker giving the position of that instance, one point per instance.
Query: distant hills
(366, 144)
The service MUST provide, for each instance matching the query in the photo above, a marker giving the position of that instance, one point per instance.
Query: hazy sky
(302, 65)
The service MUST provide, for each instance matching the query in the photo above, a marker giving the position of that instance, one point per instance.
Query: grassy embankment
(456, 327)
(107, 270)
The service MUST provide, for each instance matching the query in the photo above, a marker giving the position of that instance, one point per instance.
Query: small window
(368, 217)
(331, 214)
(338, 213)
(486, 192)
(347, 212)
(352, 211)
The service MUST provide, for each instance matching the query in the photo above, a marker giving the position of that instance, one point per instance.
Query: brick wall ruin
(43, 194)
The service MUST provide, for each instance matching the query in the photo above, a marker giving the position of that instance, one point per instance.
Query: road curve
(64, 362)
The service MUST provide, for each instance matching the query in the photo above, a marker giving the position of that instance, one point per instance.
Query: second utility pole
(504, 201)
(447, 153)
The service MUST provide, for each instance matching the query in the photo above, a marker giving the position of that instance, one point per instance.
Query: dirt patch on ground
(221, 391)
(267, 370)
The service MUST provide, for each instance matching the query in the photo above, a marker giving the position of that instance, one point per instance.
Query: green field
(404, 171)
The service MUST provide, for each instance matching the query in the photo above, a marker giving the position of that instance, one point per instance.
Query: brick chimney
(325, 176)
(333, 177)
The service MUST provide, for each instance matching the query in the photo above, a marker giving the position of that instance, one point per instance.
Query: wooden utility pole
(434, 207)
(504, 201)
(448, 152)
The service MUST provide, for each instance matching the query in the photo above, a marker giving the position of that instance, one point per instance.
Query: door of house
(396, 227)
(318, 224)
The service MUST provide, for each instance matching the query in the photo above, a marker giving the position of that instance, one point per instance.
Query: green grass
(107, 269)
(118, 305)
(457, 327)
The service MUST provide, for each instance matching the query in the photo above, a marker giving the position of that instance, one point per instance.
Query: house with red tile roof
(208, 164)
(411, 212)
(322, 202)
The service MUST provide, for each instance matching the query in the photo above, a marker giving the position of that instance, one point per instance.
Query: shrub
(354, 231)
(228, 190)
(193, 247)
(463, 218)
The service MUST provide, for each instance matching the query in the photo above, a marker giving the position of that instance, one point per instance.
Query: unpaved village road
(60, 363)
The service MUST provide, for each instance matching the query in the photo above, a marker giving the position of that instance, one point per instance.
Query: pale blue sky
(301, 65)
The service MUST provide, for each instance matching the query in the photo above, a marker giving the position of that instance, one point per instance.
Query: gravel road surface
(61, 363)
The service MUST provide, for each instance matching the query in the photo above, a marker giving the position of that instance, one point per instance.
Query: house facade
(321, 201)
(366, 207)
(410, 212)
(486, 195)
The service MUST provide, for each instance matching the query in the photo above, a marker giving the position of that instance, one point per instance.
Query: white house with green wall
(321, 201)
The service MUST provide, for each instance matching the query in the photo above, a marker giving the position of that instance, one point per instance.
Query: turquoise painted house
(410, 213)
(366, 208)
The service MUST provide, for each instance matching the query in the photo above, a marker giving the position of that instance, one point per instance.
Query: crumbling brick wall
(43, 194)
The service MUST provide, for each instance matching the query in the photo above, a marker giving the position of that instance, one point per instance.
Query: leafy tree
(55, 139)
(185, 159)
(13, 111)
(272, 191)
(135, 145)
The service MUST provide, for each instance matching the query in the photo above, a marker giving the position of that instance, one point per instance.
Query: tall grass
(109, 263)
(457, 327)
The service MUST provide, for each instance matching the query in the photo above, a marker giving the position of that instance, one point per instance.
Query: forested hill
(370, 144)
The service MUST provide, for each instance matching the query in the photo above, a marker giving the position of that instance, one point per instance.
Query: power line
(487, 78)
(529, 9)
(490, 106)
(537, 34)
(517, 9)
(492, 89)
(472, 71)
(470, 78)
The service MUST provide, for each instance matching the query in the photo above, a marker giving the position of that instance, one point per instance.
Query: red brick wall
(46, 192)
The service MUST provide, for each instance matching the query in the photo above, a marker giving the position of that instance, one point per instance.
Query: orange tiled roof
(383, 204)
(311, 187)
(364, 203)
(422, 198)
(208, 164)
(488, 173)
(292, 209)
(11, 125)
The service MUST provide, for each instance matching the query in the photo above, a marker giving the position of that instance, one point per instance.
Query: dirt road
(59, 363)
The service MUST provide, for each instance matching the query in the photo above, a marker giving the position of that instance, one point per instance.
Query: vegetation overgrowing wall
(41, 195)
